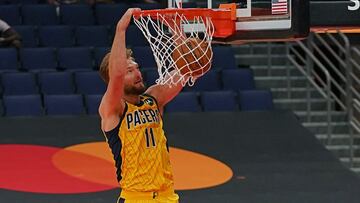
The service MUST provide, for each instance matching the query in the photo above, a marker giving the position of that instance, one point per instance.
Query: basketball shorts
(149, 197)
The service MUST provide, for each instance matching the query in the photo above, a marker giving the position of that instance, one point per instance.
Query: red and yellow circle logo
(89, 167)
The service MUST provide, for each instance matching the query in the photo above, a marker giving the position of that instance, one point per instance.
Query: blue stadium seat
(21, 2)
(144, 57)
(64, 104)
(224, 57)
(219, 101)
(208, 82)
(28, 35)
(10, 14)
(24, 2)
(40, 14)
(38, 59)
(89, 82)
(256, 100)
(56, 83)
(92, 103)
(134, 37)
(8, 60)
(77, 14)
(150, 75)
(109, 14)
(99, 53)
(23, 105)
(96, 36)
(238, 79)
(189, 5)
(19, 83)
(75, 58)
(184, 102)
(56, 36)
(147, 6)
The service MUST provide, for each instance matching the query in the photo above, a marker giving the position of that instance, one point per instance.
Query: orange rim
(222, 19)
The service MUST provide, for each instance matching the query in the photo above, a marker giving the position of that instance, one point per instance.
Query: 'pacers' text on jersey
(140, 148)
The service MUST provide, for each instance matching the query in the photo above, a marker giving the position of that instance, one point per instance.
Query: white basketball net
(165, 34)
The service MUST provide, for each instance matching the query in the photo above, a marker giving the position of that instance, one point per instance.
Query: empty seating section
(71, 104)
(28, 35)
(56, 36)
(8, 59)
(89, 82)
(56, 70)
(23, 105)
(37, 59)
(56, 83)
(145, 6)
(219, 101)
(144, 62)
(134, 37)
(208, 82)
(224, 58)
(19, 1)
(75, 58)
(99, 54)
(238, 79)
(10, 14)
(92, 103)
(19, 83)
(255, 100)
(184, 102)
(78, 14)
(150, 76)
(39, 15)
(96, 36)
(107, 14)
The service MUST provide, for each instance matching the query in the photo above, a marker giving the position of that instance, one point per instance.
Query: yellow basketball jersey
(139, 139)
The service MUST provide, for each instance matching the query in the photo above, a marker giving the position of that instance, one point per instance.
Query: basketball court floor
(217, 157)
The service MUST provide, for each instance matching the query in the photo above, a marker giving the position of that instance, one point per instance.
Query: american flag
(279, 6)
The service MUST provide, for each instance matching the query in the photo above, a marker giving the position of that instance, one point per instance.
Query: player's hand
(125, 19)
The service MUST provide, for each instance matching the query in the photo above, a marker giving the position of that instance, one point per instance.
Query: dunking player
(132, 123)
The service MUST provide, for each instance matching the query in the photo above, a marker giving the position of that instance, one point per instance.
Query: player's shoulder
(107, 109)
(149, 99)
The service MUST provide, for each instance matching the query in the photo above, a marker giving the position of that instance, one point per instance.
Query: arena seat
(219, 101)
(21, 83)
(208, 82)
(92, 103)
(10, 14)
(109, 14)
(95, 36)
(256, 100)
(184, 102)
(99, 53)
(56, 36)
(89, 82)
(56, 83)
(144, 57)
(238, 79)
(75, 58)
(64, 104)
(28, 35)
(224, 58)
(23, 105)
(77, 14)
(8, 60)
(40, 14)
(38, 59)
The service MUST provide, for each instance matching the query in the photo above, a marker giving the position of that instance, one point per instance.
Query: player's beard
(134, 90)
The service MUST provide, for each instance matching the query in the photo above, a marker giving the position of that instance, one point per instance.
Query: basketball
(193, 57)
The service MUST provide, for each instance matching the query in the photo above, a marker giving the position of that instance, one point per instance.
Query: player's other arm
(165, 93)
(112, 104)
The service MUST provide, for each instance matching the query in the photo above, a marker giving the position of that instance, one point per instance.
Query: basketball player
(132, 123)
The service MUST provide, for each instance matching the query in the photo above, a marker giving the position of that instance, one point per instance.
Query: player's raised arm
(113, 70)
(165, 93)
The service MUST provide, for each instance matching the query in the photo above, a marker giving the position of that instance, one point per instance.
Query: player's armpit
(164, 93)
(110, 112)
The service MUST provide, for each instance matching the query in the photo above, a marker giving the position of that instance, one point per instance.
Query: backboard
(264, 20)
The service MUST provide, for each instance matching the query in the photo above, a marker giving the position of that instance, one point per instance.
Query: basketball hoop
(186, 33)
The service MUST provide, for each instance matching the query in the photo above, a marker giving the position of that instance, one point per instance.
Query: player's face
(134, 84)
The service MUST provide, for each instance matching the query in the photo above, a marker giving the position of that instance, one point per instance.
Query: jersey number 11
(149, 137)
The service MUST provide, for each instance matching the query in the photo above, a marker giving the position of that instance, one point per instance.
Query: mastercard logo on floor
(89, 167)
